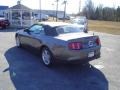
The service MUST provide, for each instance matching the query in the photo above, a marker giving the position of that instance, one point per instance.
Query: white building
(3, 10)
(52, 13)
(20, 15)
(48, 12)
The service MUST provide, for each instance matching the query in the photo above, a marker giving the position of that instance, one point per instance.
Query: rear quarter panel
(55, 45)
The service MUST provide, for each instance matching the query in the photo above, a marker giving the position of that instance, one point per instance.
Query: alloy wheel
(46, 56)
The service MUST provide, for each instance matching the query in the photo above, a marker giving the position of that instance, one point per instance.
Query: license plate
(90, 54)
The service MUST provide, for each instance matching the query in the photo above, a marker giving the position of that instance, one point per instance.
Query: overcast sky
(72, 6)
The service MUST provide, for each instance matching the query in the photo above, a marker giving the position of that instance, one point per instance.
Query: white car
(44, 17)
(82, 21)
(61, 17)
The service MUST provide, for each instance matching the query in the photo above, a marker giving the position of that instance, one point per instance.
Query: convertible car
(58, 41)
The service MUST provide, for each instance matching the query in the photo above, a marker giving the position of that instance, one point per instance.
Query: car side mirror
(26, 30)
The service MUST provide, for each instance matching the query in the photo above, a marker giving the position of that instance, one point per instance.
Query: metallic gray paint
(58, 45)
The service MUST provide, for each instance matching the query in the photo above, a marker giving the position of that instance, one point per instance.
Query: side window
(50, 31)
(37, 29)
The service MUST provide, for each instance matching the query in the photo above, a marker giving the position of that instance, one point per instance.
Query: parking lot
(21, 70)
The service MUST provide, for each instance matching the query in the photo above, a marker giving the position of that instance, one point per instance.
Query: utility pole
(79, 6)
(65, 2)
(53, 10)
(57, 9)
(21, 13)
(40, 9)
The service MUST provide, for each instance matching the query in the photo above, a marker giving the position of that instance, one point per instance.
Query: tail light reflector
(98, 41)
(75, 46)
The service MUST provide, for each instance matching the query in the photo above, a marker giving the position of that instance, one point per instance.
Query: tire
(18, 42)
(47, 56)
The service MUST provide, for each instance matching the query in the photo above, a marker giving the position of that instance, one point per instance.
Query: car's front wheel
(47, 56)
(18, 42)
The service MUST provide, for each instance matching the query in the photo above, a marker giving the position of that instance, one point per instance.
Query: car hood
(71, 36)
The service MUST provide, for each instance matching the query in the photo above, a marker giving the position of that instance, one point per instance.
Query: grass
(101, 26)
(104, 26)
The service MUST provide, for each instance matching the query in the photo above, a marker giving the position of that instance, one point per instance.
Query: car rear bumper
(85, 60)
(82, 55)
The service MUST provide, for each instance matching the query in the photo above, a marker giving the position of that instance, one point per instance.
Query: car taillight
(98, 41)
(75, 45)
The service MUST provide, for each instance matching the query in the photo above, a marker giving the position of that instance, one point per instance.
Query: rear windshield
(69, 29)
(80, 21)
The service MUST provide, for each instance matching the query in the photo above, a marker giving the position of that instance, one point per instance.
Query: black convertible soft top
(50, 31)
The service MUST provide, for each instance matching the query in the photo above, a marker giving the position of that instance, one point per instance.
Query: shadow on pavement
(28, 73)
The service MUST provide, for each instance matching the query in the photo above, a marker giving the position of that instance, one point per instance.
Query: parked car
(44, 17)
(81, 21)
(4, 23)
(72, 17)
(61, 17)
(58, 41)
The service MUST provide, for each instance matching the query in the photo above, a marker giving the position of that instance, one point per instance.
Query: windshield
(69, 29)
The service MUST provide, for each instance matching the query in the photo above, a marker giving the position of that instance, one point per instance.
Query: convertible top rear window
(69, 29)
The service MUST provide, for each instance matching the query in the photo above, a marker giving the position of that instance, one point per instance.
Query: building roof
(3, 7)
(20, 6)
(37, 10)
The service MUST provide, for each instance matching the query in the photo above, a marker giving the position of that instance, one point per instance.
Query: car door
(36, 34)
(33, 36)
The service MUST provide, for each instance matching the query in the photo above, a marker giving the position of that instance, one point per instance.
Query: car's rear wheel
(47, 56)
(18, 42)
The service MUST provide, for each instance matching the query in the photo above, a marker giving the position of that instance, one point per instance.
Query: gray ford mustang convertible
(58, 41)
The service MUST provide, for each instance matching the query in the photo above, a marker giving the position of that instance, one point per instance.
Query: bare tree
(89, 9)
(118, 14)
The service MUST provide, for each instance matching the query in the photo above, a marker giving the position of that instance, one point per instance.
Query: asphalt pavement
(22, 70)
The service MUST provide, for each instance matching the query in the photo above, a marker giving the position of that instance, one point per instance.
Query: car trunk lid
(87, 40)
